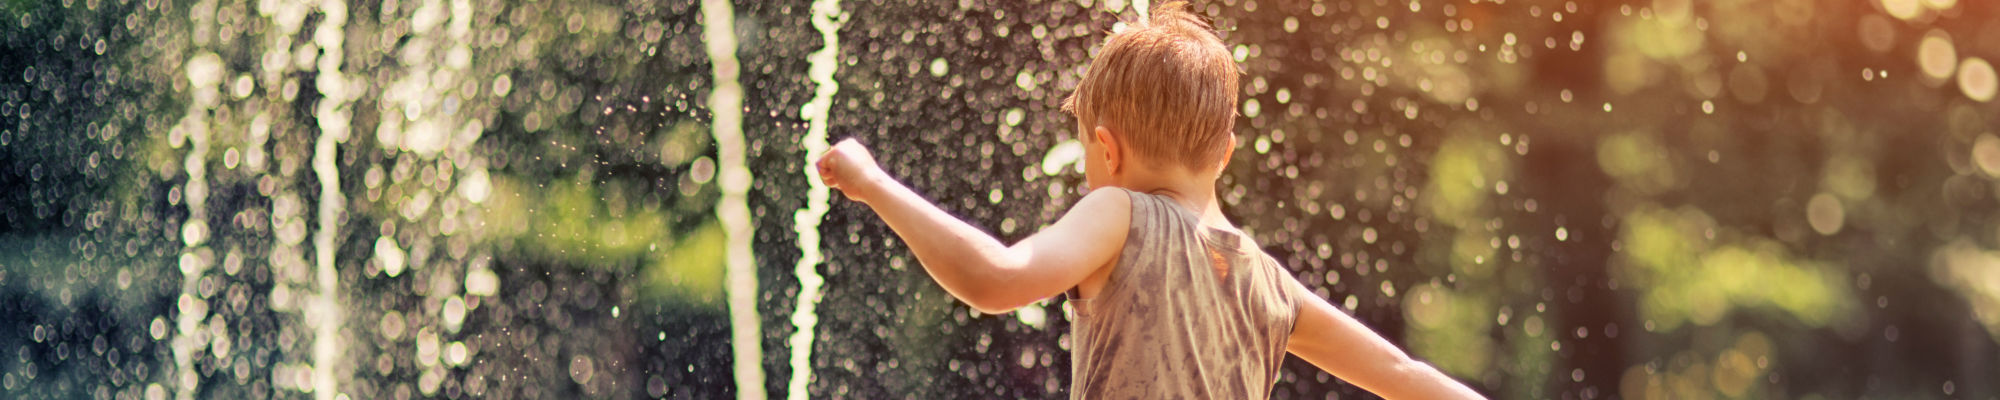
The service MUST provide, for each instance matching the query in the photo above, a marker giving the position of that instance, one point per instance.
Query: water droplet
(389, 256)
(243, 86)
(456, 354)
(1033, 315)
(1986, 154)
(1026, 80)
(1976, 78)
(502, 85)
(939, 67)
(1902, 9)
(702, 170)
(454, 313)
(580, 369)
(1936, 57)
(1114, 5)
(427, 347)
(204, 70)
(476, 186)
(481, 282)
(392, 325)
(1064, 154)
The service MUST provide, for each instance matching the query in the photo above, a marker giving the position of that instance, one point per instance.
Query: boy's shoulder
(1105, 199)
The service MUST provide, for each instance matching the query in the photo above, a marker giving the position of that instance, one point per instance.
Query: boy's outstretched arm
(971, 264)
(1335, 342)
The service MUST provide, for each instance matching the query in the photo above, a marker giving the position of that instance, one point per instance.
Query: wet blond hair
(1166, 85)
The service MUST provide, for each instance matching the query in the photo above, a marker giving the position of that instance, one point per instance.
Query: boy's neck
(1193, 191)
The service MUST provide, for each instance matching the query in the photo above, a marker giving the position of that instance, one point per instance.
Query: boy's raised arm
(1336, 343)
(971, 264)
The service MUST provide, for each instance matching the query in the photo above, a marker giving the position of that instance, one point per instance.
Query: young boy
(1171, 300)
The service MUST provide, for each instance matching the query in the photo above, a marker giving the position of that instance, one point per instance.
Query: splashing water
(332, 112)
(204, 73)
(1067, 153)
(827, 19)
(734, 210)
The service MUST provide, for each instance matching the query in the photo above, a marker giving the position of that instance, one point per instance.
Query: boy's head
(1164, 89)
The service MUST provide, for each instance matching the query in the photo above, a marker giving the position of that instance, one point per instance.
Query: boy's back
(1188, 311)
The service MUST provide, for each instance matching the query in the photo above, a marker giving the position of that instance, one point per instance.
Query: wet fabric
(1169, 324)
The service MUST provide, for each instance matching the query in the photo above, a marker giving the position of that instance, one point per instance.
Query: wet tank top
(1168, 326)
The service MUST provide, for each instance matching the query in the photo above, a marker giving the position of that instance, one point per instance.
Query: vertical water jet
(204, 72)
(827, 18)
(733, 177)
(332, 114)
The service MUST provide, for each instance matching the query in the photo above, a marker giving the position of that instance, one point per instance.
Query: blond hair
(1167, 85)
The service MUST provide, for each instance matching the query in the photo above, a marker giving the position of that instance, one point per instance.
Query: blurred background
(393, 199)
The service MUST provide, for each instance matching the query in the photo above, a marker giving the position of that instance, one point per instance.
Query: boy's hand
(849, 168)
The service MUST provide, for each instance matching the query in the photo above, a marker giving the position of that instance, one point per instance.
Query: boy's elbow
(992, 300)
(994, 294)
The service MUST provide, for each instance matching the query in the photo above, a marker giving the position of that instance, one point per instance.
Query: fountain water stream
(733, 176)
(324, 314)
(827, 18)
(204, 73)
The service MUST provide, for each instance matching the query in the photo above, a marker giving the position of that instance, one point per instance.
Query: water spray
(733, 176)
(332, 113)
(827, 18)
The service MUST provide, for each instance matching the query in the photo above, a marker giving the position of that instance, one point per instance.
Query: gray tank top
(1168, 326)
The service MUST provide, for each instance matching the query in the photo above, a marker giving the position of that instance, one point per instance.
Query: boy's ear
(1113, 152)
(1227, 152)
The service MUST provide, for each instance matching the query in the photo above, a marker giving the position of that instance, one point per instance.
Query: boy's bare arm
(971, 264)
(1335, 342)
